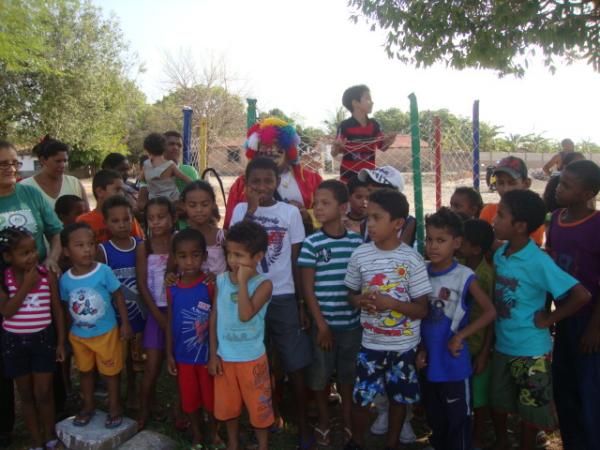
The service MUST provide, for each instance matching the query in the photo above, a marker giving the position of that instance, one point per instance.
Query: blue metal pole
(476, 144)
(187, 133)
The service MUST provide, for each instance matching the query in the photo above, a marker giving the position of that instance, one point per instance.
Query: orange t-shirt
(488, 213)
(95, 219)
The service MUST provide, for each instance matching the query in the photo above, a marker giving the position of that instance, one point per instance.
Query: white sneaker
(380, 426)
(407, 435)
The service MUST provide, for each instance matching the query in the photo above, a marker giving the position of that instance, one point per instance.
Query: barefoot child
(190, 302)
(119, 254)
(88, 288)
(336, 330)
(447, 361)
(33, 332)
(238, 358)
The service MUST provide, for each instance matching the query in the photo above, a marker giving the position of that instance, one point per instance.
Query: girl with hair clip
(276, 139)
(33, 332)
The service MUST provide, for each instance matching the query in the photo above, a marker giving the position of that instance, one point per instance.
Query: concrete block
(149, 440)
(94, 436)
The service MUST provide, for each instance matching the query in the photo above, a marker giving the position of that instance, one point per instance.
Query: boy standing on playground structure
(359, 136)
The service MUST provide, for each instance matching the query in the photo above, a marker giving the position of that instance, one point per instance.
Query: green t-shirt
(485, 278)
(26, 207)
(190, 172)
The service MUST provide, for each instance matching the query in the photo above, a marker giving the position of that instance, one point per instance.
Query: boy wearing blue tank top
(238, 359)
(118, 253)
(444, 353)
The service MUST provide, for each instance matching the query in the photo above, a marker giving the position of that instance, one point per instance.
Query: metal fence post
(415, 135)
(476, 145)
(187, 132)
(251, 112)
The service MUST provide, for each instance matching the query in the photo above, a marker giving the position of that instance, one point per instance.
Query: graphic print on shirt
(441, 306)
(194, 330)
(381, 283)
(126, 276)
(506, 298)
(276, 234)
(20, 218)
(87, 307)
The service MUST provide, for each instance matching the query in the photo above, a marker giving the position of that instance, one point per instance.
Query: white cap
(383, 175)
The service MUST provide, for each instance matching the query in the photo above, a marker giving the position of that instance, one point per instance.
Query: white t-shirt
(288, 188)
(400, 273)
(284, 227)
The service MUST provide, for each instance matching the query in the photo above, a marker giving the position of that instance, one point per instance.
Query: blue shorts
(385, 372)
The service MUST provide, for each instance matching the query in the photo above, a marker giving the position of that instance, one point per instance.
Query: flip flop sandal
(323, 436)
(82, 419)
(113, 421)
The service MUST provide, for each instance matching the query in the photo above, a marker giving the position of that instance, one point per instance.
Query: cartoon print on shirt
(506, 298)
(195, 329)
(87, 307)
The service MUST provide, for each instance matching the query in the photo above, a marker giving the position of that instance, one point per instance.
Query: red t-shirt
(361, 143)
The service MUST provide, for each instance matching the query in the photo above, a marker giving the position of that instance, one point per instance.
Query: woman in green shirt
(25, 206)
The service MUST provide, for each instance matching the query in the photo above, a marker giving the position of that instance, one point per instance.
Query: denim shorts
(29, 353)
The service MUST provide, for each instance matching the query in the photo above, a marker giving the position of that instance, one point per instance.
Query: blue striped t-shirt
(329, 257)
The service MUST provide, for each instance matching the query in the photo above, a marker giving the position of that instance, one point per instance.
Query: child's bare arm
(487, 316)
(171, 364)
(415, 309)
(388, 140)
(10, 306)
(590, 341)
(298, 285)
(249, 306)
(179, 174)
(58, 317)
(215, 367)
(578, 296)
(119, 301)
(324, 335)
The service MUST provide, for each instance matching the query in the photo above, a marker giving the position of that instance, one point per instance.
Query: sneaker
(407, 435)
(380, 426)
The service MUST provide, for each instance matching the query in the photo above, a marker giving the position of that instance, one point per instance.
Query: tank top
(157, 267)
(215, 259)
(238, 341)
(122, 263)
(34, 314)
(160, 187)
(191, 305)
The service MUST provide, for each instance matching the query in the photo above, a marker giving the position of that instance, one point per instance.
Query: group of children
(465, 332)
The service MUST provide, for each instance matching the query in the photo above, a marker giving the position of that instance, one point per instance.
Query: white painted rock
(94, 436)
(149, 440)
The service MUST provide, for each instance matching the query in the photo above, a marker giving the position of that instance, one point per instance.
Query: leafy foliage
(498, 35)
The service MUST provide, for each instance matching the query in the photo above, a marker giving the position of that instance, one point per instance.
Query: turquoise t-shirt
(522, 281)
(89, 300)
(238, 341)
(27, 207)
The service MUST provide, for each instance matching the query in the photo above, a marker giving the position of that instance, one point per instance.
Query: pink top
(215, 258)
(35, 313)
(157, 267)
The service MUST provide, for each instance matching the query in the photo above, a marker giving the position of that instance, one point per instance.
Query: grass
(286, 440)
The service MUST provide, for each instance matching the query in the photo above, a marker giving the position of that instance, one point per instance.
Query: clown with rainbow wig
(276, 139)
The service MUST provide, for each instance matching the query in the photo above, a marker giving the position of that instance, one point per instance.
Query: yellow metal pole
(203, 148)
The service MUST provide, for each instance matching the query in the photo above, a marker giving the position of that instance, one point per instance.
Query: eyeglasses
(5, 165)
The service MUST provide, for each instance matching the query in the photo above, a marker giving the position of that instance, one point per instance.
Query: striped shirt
(34, 314)
(329, 257)
(401, 274)
(361, 144)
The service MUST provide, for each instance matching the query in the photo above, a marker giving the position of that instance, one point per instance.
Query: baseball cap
(383, 175)
(513, 166)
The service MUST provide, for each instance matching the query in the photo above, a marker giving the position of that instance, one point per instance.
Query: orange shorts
(104, 352)
(245, 383)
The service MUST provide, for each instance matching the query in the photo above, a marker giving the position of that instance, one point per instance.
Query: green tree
(77, 89)
(393, 120)
(333, 121)
(498, 35)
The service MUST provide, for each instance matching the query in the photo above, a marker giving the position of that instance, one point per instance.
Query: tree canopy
(498, 35)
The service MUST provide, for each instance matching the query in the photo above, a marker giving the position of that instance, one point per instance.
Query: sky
(299, 56)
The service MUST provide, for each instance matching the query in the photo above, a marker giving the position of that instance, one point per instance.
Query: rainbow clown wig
(273, 131)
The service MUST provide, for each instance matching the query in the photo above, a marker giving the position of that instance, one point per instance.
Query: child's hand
(388, 140)
(303, 317)
(367, 303)
(210, 277)
(171, 279)
(60, 353)
(381, 301)
(172, 365)
(253, 199)
(215, 366)
(480, 362)
(244, 273)
(542, 319)
(126, 332)
(31, 278)
(590, 341)
(161, 319)
(421, 359)
(455, 345)
(325, 338)
(338, 147)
